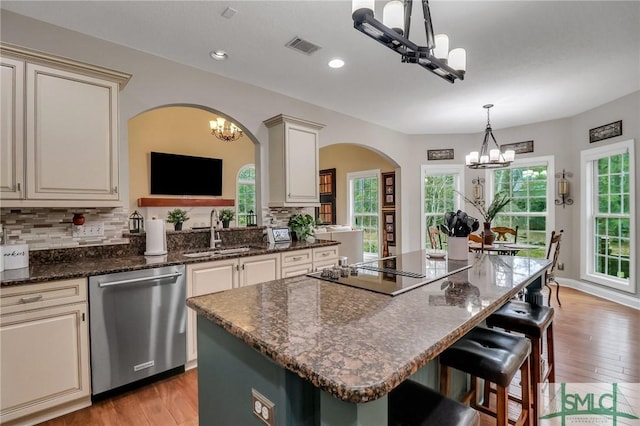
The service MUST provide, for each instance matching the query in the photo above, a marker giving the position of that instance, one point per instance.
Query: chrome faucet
(213, 226)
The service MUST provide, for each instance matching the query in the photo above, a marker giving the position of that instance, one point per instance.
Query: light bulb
(441, 50)
(393, 16)
(458, 59)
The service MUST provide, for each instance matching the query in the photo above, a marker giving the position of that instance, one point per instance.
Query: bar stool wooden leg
(551, 361)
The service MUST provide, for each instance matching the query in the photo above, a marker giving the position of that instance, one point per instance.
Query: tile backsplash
(52, 228)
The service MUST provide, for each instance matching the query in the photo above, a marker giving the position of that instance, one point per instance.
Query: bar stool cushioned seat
(496, 357)
(414, 404)
(489, 354)
(522, 317)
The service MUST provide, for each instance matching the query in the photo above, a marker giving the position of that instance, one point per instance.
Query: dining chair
(434, 236)
(552, 253)
(503, 231)
(477, 239)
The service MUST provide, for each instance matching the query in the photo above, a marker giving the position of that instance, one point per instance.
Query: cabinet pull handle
(83, 317)
(31, 299)
(243, 266)
(325, 254)
(238, 268)
(19, 187)
(115, 189)
(297, 258)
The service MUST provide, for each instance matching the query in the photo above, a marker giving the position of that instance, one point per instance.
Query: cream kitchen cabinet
(293, 162)
(298, 262)
(11, 128)
(219, 275)
(44, 343)
(324, 257)
(68, 135)
(258, 269)
(203, 278)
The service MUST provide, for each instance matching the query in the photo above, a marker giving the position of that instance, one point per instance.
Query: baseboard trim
(604, 293)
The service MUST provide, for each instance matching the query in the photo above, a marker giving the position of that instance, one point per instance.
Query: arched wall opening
(184, 129)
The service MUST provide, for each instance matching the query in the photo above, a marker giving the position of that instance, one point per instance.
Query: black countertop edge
(38, 273)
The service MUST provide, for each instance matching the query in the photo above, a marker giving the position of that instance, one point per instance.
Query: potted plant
(457, 226)
(489, 213)
(226, 216)
(302, 225)
(177, 217)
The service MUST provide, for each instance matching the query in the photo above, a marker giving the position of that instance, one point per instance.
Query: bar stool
(494, 356)
(414, 404)
(534, 322)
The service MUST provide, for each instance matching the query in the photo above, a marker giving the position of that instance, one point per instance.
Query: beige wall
(181, 130)
(347, 158)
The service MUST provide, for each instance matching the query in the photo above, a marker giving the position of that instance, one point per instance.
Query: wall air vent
(302, 46)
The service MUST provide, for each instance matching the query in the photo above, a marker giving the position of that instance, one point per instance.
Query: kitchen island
(326, 353)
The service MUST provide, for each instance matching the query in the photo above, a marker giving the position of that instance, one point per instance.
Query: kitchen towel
(156, 238)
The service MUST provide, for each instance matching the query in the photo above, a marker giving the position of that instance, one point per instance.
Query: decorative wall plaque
(440, 154)
(605, 132)
(518, 147)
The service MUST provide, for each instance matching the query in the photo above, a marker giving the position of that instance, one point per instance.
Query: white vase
(457, 248)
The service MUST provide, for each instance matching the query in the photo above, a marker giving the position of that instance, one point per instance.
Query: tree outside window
(364, 191)
(528, 209)
(246, 194)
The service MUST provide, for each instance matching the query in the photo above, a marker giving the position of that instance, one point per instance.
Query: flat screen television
(173, 174)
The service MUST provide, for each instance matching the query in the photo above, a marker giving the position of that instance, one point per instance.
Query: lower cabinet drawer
(296, 257)
(294, 271)
(21, 298)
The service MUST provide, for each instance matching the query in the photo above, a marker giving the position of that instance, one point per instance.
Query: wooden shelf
(185, 202)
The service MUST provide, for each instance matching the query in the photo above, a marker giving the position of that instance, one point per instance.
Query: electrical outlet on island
(263, 408)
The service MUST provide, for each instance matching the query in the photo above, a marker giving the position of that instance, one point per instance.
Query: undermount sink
(217, 252)
(200, 254)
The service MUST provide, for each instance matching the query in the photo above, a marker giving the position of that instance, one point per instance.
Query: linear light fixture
(393, 32)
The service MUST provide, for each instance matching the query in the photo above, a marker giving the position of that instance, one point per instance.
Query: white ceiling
(535, 60)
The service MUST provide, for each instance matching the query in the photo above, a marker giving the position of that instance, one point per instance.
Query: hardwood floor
(596, 341)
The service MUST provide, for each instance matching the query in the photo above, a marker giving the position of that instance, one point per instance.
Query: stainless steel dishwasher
(137, 324)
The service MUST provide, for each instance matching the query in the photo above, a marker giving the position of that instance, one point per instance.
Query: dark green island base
(328, 354)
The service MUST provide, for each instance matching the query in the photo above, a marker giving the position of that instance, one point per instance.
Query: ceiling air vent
(302, 46)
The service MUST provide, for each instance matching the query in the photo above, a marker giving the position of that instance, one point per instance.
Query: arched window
(246, 194)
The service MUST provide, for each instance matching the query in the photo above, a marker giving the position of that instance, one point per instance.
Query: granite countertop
(355, 344)
(36, 273)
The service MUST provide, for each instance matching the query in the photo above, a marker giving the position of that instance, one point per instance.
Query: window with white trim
(364, 208)
(439, 186)
(246, 194)
(608, 218)
(530, 187)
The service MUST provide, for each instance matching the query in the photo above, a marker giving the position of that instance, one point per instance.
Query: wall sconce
(136, 223)
(478, 189)
(563, 188)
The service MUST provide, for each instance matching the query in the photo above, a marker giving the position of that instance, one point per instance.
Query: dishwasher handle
(138, 280)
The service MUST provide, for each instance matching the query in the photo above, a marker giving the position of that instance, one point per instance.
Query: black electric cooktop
(394, 275)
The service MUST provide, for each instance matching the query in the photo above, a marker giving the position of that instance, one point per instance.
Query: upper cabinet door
(11, 129)
(301, 145)
(71, 128)
(293, 162)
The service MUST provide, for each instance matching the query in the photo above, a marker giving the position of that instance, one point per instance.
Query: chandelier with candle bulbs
(393, 32)
(225, 130)
(489, 158)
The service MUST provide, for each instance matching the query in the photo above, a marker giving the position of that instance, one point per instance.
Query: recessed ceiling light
(218, 55)
(336, 63)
